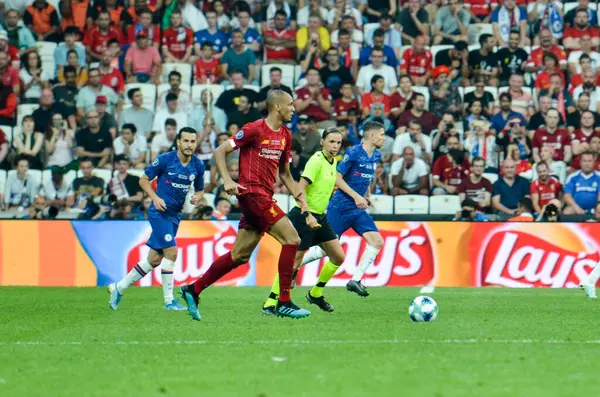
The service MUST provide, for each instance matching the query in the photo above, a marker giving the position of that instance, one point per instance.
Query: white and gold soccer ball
(423, 309)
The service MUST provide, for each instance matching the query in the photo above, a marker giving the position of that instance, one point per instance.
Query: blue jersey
(174, 182)
(250, 36)
(584, 189)
(218, 40)
(358, 169)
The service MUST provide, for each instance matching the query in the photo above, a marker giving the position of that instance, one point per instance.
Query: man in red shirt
(345, 103)
(144, 24)
(450, 169)
(177, 41)
(280, 43)
(8, 74)
(553, 137)
(12, 52)
(581, 27)
(476, 187)
(535, 61)
(376, 96)
(314, 99)
(545, 188)
(416, 62)
(109, 76)
(427, 119)
(8, 105)
(265, 148)
(581, 138)
(97, 38)
(208, 67)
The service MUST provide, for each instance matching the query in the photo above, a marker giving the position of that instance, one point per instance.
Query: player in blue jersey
(177, 171)
(347, 208)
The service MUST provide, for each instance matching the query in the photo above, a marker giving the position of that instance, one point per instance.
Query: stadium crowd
(485, 100)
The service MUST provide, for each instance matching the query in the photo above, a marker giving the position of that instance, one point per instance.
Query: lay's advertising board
(95, 253)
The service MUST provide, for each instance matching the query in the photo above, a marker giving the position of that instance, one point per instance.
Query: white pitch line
(428, 289)
(313, 342)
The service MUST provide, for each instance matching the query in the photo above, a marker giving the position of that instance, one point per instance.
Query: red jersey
(475, 191)
(153, 33)
(262, 152)
(556, 142)
(341, 107)
(281, 52)
(10, 77)
(368, 99)
(576, 33)
(178, 40)
(443, 170)
(396, 99)
(578, 135)
(416, 64)
(536, 55)
(98, 41)
(542, 81)
(480, 8)
(576, 163)
(547, 191)
(113, 79)
(13, 53)
(314, 109)
(207, 71)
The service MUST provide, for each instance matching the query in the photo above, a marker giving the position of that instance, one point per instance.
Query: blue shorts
(163, 233)
(342, 219)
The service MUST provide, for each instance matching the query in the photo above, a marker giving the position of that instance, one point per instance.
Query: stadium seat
(382, 204)
(569, 6)
(491, 177)
(135, 172)
(477, 29)
(491, 90)
(184, 68)
(148, 92)
(46, 51)
(2, 181)
(444, 205)
(25, 110)
(411, 204)
(424, 91)
(197, 89)
(283, 201)
(297, 74)
(248, 86)
(8, 133)
(206, 177)
(210, 199)
(527, 90)
(287, 74)
(164, 87)
(437, 48)
(368, 28)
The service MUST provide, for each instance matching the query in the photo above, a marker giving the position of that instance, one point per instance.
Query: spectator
(451, 23)
(511, 59)
(238, 58)
(367, 72)
(509, 189)
(314, 32)
(177, 41)
(392, 36)
(208, 67)
(19, 188)
(561, 98)
(314, 99)
(309, 141)
(56, 190)
(13, 53)
(409, 174)
(42, 116)
(140, 117)
(554, 137)
(583, 105)
(123, 184)
(229, 99)
(334, 75)
(341, 9)
(538, 119)
(480, 94)
(86, 187)
(522, 101)
(251, 37)
(42, 19)
(389, 56)
(416, 139)
(444, 95)
(206, 109)
(223, 21)
(8, 105)
(74, 13)
(376, 96)
(115, 11)
(246, 112)
(417, 62)
(212, 35)
(59, 143)
(231, 159)
(379, 185)
(142, 62)
(110, 76)
(414, 21)
(470, 213)
(522, 165)
(481, 10)
(446, 129)
(298, 161)
(80, 71)
(484, 62)
(581, 5)
(312, 6)
(546, 14)
(18, 36)
(29, 143)
(557, 169)
(449, 170)
(94, 143)
(280, 41)
(171, 112)
(535, 62)
(581, 27)
(9, 75)
(545, 188)
(582, 190)
(427, 120)
(542, 80)
(33, 77)
(349, 52)
(184, 99)
(505, 114)
(97, 38)
(589, 87)
(275, 84)
(222, 209)
(356, 35)
(107, 120)
(476, 187)
(474, 113)
(507, 18)
(401, 98)
(193, 18)
(581, 137)
(479, 143)
(86, 98)
(343, 105)
(144, 24)
(457, 59)
(575, 57)
(4, 165)
(524, 211)
(164, 142)
(71, 37)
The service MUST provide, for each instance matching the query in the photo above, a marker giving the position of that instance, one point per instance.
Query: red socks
(218, 269)
(286, 270)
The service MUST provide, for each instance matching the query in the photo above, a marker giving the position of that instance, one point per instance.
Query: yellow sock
(274, 295)
(326, 273)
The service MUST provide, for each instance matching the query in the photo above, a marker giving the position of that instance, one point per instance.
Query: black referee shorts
(310, 237)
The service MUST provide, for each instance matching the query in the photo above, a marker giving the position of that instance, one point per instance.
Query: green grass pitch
(485, 342)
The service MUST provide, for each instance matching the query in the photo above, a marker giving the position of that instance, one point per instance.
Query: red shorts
(258, 212)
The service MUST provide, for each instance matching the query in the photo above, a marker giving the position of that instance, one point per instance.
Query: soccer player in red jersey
(265, 147)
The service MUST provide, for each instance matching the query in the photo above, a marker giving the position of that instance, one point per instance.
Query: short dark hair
(343, 32)
(186, 130)
(586, 153)
(331, 130)
(170, 122)
(275, 69)
(85, 160)
(236, 71)
(483, 38)
(170, 97)
(374, 79)
(132, 92)
(71, 69)
(207, 44)
(373, 125)
(281, 12)
(527, 204)
(476, 159)
(129, 126)
(379, 33)
(505, 95)
(121, 157)
(174, 73)
(415, 122)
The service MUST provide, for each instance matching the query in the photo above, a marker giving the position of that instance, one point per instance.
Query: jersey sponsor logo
(181, 186)
(270, 154)
(168, 238)
(172, 173)
(239, 134)
(363, 175)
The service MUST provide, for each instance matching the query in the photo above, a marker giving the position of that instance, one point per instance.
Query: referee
(317, 181)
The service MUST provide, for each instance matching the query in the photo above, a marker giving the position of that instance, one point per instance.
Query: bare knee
(337, 259)
(170, 253)
(291, 239)
(375, 240)
(240, 257)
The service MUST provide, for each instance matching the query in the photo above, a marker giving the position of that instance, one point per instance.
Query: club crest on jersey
(345, 158)
(155, 162)
(192, 177)
(168, 238)
(283, 144)
(273, 212)
(239, 134)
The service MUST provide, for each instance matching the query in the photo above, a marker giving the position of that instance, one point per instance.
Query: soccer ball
(423, 309)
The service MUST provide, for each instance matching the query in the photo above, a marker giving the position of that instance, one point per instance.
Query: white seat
(8, 133)
(283, 201)
(215, 89)
(570, 6)
(206, 177)
(477, 29)
(491, 177)
(297, 74)
(46, 49)
(411, 204)
(491, 90)
(382, 204)
(184, 68)
(25, 110)
(210, 199)
(444, 205)
(70, 176)
(424, 91)
(369, 27)
(164, 87)
(437, 48)
(134, 172)
(249, 86)
(474, 47)
(505, 88)
(287, 74)
(148, 92)
(2, 181)
(46, 176)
